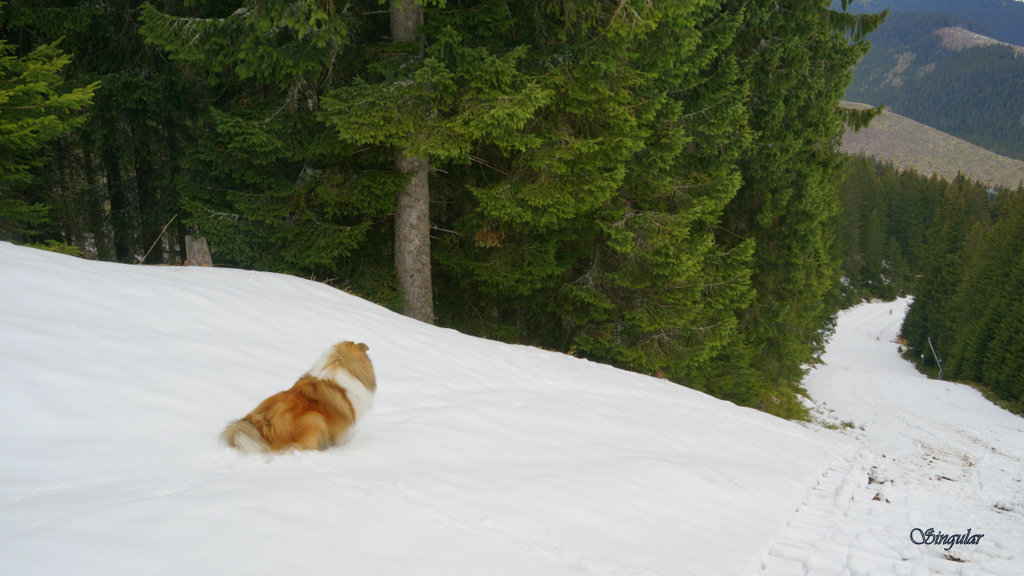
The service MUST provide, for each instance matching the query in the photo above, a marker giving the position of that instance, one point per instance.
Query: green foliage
(110, 181)
(884, 216)
(902, 231)
(799, 60)
(970, 301)
(264, 41)
(957, 215)
(443, 106)
(267, 181)
(958, 247)
(598, 236)
(35, 109)
(59, 247)
(269, 197)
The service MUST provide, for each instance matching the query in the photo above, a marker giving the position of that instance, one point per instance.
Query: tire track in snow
(834, 531)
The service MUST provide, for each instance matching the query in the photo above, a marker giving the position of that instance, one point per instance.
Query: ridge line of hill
(910, 144)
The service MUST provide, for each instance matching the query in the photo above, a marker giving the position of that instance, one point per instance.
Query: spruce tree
(601, 234)
(874, 248)
(987, 296)
(1002, 356)
(442, 90)
(412, 212)
(929, 316)
(112, 179)
(799, 55)
(36, 108)
(268, 182)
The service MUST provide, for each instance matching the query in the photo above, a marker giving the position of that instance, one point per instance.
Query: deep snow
(478, 457)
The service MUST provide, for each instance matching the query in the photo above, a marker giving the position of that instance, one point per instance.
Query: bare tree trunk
(98, 208)
(406, 21)
(151, 216)
(124, 238)
(412, 213)
(412, 240)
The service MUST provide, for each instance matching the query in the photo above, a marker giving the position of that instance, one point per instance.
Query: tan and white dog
(317, 412)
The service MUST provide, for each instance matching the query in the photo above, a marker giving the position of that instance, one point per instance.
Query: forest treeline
(958, 248)
(652, 185)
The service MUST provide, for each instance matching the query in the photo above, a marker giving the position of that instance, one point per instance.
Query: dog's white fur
(358, 394)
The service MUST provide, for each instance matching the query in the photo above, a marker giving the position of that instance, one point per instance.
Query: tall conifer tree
(455, 88)
(799, 55)
(601, 233)
(268, 182)
(929, 316)
(111, 180)
(35, 109)
(412, 213)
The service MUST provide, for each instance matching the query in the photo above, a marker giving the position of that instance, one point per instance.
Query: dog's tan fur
(317, 412)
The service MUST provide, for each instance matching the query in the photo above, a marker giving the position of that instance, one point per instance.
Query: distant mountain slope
(910, 144)
(958, 39)
(999, 19)
(943, 70)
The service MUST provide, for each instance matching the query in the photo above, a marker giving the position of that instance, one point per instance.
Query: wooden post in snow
(197, 252)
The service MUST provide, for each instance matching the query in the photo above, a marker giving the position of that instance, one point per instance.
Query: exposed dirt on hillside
(909, 144)
(959, 39)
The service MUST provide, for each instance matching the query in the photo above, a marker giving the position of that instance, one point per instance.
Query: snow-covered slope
(936, 455)
(478, 458)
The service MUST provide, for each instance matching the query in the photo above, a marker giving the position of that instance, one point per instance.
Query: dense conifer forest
(958, 248)
(654, 185)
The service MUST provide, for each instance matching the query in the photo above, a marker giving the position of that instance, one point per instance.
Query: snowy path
(928, 454)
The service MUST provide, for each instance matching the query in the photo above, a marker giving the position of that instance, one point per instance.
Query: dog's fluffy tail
(241, 434)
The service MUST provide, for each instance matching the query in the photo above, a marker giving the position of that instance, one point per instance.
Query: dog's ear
(362, 347)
